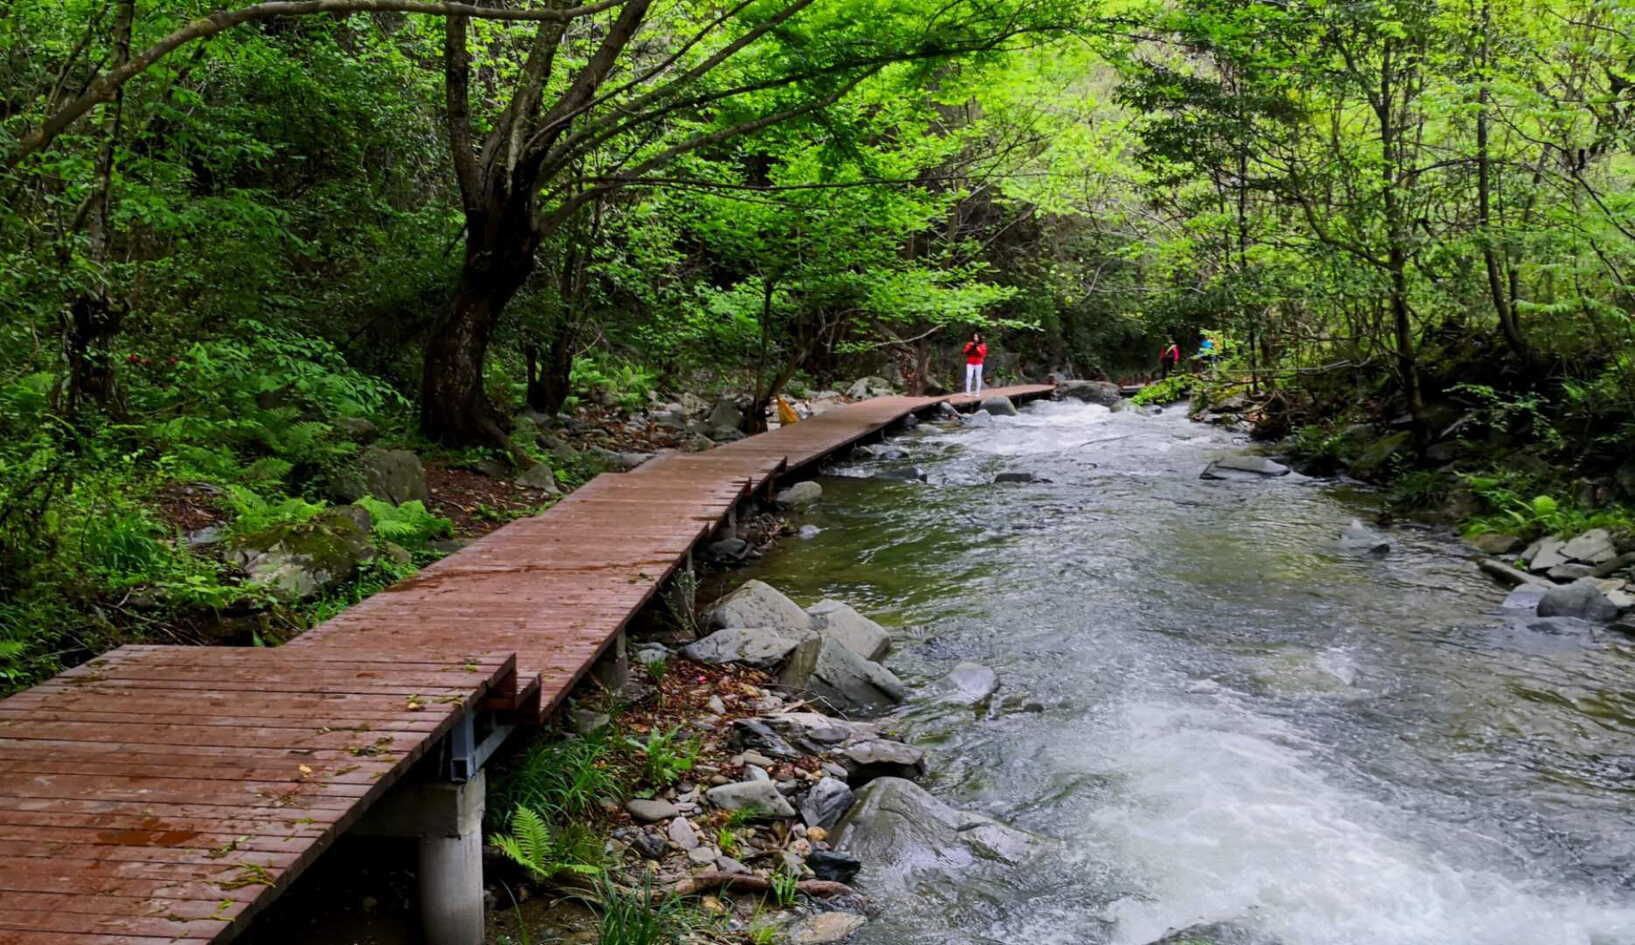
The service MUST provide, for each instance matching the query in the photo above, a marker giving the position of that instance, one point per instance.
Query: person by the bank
(976, 351)
(1169, 360)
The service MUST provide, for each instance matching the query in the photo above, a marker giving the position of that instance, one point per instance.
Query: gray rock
(1360, 539)
(1524, 599)
(540, 476)
(979, 419)
(760, 798)
(753, 733)
(1593, 547)
(1616, 564)
(683, 834)
(301, 560)
(206, 536)
(883, 451)
(702, 856)
(761, 647)
(650, 811)
(799, 495)
(999, 405)
(393, 475)
(832, 866)
(819, 729)
(1507, 575)
(648, 844)
(969, 684)
(1581, 599)
(698, 443)
(757, 773)
(726, 415)
(906, 838)
(1213, 933)
(824, 928)
(358, 430)
(1570, 571)
(837, 620)
(649, 653)
(727, 864)
(757, 604)
(847, 682)
(881, 758)
(1494, 543)
(728, 550)
(1244, 467)
(585, 722)
(809, 532)
(1092, 392)
(826, 803)
(1546, 555)
(868, 387)
(1018, 477)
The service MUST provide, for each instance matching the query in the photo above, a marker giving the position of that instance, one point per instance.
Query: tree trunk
(548, 387)
(454, 407)
(1497, 286)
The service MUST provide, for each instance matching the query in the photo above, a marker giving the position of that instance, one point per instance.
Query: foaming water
(1242, 722)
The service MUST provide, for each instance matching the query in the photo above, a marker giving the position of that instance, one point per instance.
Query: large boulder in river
(969, 684)
(1091, 392)
(837, 620)
(824, 669)
(1582, 599)
(758, 604)
(909, 840)
(999, 405)
(799, 495)
(1358, 538)
(298, 561)
(1245, 466)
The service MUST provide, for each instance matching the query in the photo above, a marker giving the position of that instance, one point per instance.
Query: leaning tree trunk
(454, 407)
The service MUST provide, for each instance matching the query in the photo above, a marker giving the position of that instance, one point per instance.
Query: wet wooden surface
(159, 795)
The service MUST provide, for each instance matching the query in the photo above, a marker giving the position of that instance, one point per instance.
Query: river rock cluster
(819, 786)
(1586, 576)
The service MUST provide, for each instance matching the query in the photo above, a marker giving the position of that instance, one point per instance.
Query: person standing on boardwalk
(975, 351)
(1169, 360)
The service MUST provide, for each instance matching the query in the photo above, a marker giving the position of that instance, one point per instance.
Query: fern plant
(541, 850)
(409, 524)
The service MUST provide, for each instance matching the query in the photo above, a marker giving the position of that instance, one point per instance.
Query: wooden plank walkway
(161, 795)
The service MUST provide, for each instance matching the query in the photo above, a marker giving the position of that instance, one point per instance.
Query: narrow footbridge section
(161, 795)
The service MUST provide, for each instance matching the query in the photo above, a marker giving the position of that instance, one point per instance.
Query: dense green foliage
(211, 272)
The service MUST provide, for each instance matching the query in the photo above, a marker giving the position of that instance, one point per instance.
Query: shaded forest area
(351, 279)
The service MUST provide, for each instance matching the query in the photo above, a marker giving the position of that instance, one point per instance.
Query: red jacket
(974, 352)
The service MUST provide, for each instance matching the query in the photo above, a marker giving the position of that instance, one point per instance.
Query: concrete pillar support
(448, 820)
(612, 670)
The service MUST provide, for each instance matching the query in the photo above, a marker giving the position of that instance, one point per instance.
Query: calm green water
(1242, 722)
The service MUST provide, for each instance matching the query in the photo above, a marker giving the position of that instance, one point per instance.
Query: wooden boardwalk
(161, 795)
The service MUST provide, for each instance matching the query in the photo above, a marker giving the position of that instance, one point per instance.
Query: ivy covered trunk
(454, 407)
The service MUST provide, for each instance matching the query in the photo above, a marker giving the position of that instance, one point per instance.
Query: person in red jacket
(1169, 360)
(975, 350)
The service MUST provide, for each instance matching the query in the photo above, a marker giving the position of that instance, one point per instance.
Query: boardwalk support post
(612, 670)
(447, 818)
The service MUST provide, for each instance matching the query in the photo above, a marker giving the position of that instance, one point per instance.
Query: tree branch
(103, 87)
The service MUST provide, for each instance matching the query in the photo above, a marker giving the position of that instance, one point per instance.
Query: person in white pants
(975, 351)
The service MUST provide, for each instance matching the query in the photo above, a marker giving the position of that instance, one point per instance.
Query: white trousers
(973, 378)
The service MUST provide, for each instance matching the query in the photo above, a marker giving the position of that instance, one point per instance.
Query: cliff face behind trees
(237, 246)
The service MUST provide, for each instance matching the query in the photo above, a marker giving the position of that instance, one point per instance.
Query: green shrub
(548, 853)
(666, 756)
(561, 778)
(1167, 391)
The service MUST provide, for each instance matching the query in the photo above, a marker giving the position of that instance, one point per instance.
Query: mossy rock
(302, 559)
(1373, 460)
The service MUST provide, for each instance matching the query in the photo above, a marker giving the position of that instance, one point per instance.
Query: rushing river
(1241, 722)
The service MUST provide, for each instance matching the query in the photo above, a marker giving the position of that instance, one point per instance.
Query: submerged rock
(902, 474)
(1244, 467)
(1213, 933)
(979, 419)
(1018, 477)
(969, 684)
(800, 495)
(1581, 599)
(1359, 538)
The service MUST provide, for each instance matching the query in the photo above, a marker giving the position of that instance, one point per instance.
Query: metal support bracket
(468, 751)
